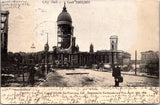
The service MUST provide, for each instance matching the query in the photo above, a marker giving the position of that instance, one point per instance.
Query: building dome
(64, 15)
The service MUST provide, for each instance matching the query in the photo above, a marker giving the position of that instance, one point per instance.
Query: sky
(135, 22)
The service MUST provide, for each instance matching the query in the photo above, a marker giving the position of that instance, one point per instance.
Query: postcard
(79, 51)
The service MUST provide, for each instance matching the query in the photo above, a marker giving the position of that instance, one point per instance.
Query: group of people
(32, 72)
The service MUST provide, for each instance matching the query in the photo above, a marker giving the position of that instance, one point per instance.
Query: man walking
(117, 75)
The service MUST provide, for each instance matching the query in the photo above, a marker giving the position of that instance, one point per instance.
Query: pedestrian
(102, 66)
(31, 75)
(99, 66)
(117, 75)
(48, 67)
(43, 69)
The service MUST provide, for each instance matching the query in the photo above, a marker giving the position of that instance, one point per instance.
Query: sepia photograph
(80, 43)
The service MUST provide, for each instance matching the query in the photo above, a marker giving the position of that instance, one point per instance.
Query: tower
(77, 48)
(113, 49)
(65, 37)
(46, 47)
(91, 48)
(114, 43)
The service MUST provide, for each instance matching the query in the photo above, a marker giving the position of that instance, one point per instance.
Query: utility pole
(112, 59)
(136, 62)
(23, 77)
(32, 58)
(46, 52)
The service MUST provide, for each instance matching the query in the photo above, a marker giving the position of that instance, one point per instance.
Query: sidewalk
(139, 74)
(132, 73)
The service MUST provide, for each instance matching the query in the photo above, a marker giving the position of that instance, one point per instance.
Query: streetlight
(32, 47)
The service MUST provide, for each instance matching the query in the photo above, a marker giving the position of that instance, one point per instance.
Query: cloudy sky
(135, 22)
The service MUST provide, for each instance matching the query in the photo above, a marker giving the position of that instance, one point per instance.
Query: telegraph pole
(46, 51)
(47, 54)
(136, 62)
(112, 59)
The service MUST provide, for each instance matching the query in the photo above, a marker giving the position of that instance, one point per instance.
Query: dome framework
(64, 16)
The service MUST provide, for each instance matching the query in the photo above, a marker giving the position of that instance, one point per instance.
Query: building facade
(4, 34)
(67, 54)
(65, 37)
(149, 56)
(150, 62)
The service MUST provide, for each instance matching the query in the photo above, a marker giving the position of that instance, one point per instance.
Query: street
(93, 78)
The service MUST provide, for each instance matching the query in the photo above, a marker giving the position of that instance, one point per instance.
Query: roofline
(113, 36)
(4, 12)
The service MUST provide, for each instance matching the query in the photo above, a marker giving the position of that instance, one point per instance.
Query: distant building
(149, 57)
(150, 62)
(66, 54)
(4, 34)
(65, 39)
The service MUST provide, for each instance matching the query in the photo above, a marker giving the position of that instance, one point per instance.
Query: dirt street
(91, 78)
